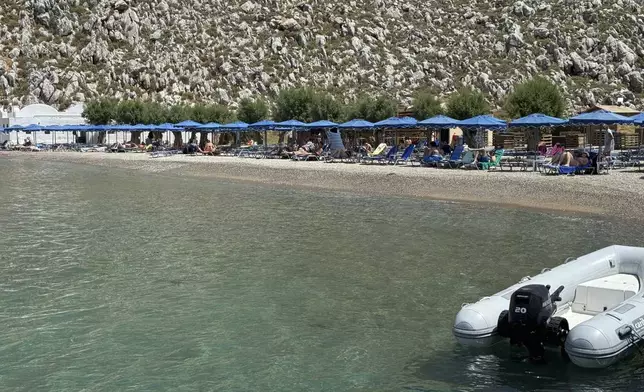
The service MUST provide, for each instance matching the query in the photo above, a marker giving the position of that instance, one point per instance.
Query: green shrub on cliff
(537, 95)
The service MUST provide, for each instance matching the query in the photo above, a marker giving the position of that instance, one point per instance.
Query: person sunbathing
(431, 153)
(209, 148)
(302, 151)
(579, 158)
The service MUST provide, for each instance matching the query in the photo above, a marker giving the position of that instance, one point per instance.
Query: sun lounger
(454, 157)
(378, 153)
(465, 162)
(498, 155)
(570, 170)
(386, 158)
(406, 156)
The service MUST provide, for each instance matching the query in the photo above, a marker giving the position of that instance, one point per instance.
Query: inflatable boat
(590, 308)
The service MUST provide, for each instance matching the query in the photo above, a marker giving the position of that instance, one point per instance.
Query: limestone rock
(121, 5)
(216, 50)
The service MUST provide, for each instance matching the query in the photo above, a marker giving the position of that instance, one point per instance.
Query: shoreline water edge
(619, 194)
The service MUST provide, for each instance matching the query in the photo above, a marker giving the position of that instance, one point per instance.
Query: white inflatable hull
(602, 300)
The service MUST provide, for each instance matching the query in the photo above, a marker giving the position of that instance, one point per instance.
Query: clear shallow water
(116, 280)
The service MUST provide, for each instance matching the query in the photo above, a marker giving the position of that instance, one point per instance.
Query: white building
(40, 114)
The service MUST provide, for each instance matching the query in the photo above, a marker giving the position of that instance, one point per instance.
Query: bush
(293, 104)
(325, 107)
(205, 113)
(537, 95)
(129, 112)
(372, 108)
(100, 111)
(251, 111)
(467, 103)
(426, 105)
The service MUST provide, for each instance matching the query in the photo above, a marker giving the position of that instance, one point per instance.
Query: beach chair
(311, 156)
(406, 156)
(465, 162)
(386, 158)
(375, 154)
(454, 157)
(569, 170)
(378, 153)
(498, 154)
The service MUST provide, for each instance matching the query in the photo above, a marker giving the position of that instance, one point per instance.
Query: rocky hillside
(59, 51)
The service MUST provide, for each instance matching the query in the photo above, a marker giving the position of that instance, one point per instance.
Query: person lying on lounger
(432, 153)
(578, 158)
(209, 148)
(309, 149)
(485, 156)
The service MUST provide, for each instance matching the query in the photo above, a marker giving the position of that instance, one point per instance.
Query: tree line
(537, 95)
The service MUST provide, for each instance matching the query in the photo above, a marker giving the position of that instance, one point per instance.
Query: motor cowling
(529, 320)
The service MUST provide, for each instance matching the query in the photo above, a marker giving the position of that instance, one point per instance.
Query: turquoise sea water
(124, 280)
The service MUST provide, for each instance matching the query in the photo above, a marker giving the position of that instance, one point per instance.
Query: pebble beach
(619, 194)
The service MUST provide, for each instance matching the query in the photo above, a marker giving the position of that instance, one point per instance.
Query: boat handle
(545, 270)
(569, 259)
(525, 279)
(464, 304)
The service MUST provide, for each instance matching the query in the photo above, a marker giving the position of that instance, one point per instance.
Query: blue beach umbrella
(483, 122)
(262, 125)
(289, 125)
(209, 126)
(144, 127)
(321, 124)
(538, 120)
(236, 126)
(439, 122)
(167, 127)
(356, 124)
(601, 117)
(188, 124)
(638, 119)
(396, 122)
(33, 128)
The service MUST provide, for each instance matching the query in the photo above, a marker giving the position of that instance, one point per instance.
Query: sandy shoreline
(620, 194)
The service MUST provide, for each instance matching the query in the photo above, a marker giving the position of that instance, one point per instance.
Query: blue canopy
(144, 127)
(188, 124)
(234, 126)
(396, 122)
(76, 127)
(264, 124)
(167, 127)
(94, 127)
(210, 125)
(33, 127)
(290, 124)
(122, 127)
(14, 127)
(439, 122)
(638, 119)
(538, 120)
(483, 122)
(357, 123)
(322, 124)
(600, 117)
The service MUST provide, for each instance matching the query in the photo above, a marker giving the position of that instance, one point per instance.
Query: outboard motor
(529, 320)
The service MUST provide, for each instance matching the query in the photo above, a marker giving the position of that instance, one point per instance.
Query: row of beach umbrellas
(600, 117)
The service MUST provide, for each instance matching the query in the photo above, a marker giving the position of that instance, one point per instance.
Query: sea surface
(117, 280)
